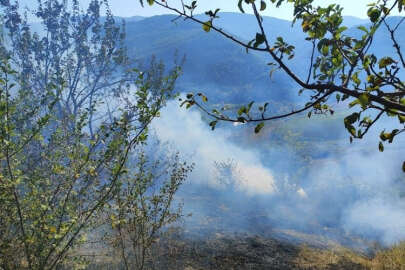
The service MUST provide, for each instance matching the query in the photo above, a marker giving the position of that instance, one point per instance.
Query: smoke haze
(358, 191)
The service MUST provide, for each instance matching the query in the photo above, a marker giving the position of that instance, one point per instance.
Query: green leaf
(213, 124)
(240, 6)
(338, 97)
(242, 119)
(373, 14)
(52, 229)
(363, 28)
(354, 103)
(356, 79)
(352, 130)
(259, 127)
(385, 136)
(249, 45)
(341, 29)
(150, 2)
(392, 113)
(401, 118)
(207, 26)
(265, 106)
(189, 104)
(241, 110)
(215, 111)
(385, 61)
(203, 97)
(351, 119)
(381, 147)
(344, 97)
(325, 50)
(364, 100)
(259, 40)
(262, 5)
(393, 134)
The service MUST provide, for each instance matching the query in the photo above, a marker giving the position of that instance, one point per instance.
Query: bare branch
(312, 61)
(314, 86)
(392, 34)
(371, 124)
(219, 30)
(226, 119)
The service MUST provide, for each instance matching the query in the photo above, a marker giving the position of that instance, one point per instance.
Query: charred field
(177, 249)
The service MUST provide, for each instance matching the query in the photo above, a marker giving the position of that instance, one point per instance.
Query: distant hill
(222, 69)
(351, 21)
(213, 64)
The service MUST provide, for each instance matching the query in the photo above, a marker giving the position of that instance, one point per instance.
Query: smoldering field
(258, 184)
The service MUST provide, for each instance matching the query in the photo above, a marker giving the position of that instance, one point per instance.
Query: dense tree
(342, 66)
(60, 166)
(54, 181)
(85, 48)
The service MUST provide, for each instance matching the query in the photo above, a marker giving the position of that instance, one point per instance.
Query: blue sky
(128, 8)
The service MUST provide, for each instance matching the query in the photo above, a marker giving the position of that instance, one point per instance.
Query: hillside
(176, 251)
(213, 65)
(222, 69)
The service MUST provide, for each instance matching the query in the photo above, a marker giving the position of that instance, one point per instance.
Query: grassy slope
(252, 252)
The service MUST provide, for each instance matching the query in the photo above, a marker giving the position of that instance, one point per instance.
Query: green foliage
(55, 178)
(259, 127)
(207, 26)
(59, 167)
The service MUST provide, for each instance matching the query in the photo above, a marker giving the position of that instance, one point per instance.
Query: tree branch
(396, 45)
(226, 119)
(219, 30)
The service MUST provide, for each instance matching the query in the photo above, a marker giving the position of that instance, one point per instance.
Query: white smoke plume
(358, 191)
(192, 137)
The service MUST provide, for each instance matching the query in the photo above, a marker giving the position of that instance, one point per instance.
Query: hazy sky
(128, 8)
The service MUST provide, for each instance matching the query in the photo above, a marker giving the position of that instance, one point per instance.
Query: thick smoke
(192, 137)
(358, 191)
(363, 190)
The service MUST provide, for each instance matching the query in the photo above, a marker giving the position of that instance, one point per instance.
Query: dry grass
(222, 252)
(343, 258)
(335, 258)
(393, 258)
